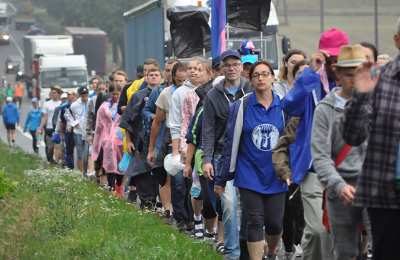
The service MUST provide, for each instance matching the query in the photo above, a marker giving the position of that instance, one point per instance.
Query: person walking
(107, 141)
(10, 120)
(32, 123)
(215, 118)
(19, 93)
(254, 125)
(373, 114)
(46, 125)
(76, 115)
(327, 147)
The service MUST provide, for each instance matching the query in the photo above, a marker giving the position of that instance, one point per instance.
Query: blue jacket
(10, 114)
(33, 119)
(250, 174)
(301, 101)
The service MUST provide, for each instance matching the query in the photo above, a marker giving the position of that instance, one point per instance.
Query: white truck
(49, 61)
(68, 71)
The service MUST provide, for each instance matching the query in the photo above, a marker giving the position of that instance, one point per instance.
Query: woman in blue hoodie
(10, 119)
(254, 125)
(32, 123)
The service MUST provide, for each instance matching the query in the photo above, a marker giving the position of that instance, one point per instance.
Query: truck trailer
(91, 42)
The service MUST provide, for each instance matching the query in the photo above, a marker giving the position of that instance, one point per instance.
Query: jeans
(69, 149)
(34, 142)
(229, 215)
(180, 196)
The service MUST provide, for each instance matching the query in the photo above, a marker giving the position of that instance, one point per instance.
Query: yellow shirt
(133, 88)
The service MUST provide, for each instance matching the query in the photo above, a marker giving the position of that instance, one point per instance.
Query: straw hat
(350, 56)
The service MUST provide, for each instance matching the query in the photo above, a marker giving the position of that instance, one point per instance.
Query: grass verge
(56, 214)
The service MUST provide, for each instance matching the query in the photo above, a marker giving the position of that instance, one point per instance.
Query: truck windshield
(65, 79)
(267, 45)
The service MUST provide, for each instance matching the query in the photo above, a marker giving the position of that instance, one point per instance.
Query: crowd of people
(244, 157)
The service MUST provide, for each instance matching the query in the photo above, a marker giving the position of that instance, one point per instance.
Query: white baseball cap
(173, 164)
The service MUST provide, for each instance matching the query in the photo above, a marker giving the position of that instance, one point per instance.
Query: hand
(208, 170)
(219, 190)
(187, 171)
(39, 131)
(288, 182)
(130, 147)
(89, 139)
(317, 59)
(347, 194)
(363, 80)
(151, 157)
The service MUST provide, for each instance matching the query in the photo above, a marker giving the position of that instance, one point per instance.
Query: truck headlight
(6, 37)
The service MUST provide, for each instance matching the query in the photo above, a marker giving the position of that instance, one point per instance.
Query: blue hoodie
(10, 114)
(33, 119)
(301, 101)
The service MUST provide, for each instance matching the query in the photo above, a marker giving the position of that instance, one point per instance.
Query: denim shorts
(82, 146)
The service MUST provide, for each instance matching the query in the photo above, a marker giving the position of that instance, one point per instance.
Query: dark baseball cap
(230, 54)
(83, 90)
(216, 62)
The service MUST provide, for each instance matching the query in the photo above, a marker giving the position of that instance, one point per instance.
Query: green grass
(55, 214)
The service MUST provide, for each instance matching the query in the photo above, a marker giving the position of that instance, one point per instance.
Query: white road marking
(41, 143)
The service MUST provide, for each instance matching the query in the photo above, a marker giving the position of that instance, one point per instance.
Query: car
(13, 64)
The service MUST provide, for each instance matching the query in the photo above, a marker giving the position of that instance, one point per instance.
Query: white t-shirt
(48, 108)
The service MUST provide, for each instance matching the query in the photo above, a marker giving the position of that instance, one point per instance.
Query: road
(24, 140)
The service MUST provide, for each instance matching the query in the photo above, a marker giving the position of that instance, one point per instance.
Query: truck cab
(69, 72)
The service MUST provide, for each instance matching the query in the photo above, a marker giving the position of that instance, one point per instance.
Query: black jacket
(216, 111)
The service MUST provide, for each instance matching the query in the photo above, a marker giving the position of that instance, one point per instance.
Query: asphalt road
(23, 140)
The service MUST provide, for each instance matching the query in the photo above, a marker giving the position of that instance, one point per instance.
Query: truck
(50, 60)
(147, 34)
(5, 21)
(66, 71)
(91, 42)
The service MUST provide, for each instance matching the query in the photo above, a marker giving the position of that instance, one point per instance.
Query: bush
(6, 185)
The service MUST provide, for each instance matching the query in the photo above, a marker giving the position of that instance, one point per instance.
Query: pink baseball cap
(331, 41)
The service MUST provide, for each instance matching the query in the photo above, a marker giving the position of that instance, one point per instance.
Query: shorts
(10, 126)
(82, 147)
(160, 175)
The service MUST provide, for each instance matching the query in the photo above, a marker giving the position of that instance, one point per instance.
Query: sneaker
(209, 236)
(132, 196)
(189, 226)
(181, 226)
(298, 250)
(198, 229)
(220, 248)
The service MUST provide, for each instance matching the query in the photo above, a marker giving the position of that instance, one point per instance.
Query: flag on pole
(218, 22)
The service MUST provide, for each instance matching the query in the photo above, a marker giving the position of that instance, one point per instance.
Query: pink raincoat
(108, 136)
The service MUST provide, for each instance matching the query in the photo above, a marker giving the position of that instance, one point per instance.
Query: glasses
(264, 75)
(233, 65)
